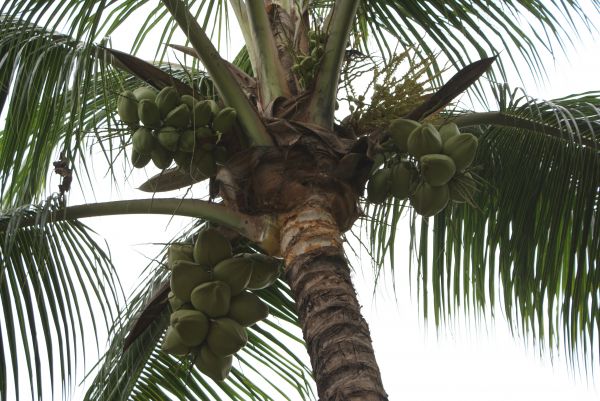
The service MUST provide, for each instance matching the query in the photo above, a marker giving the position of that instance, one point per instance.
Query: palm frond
(52, 277)
(533, 241)
(464, 31)
(268, 368)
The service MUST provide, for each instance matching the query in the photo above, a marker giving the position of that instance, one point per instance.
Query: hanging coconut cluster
(434, 170)
(168, 126)
(211, 303)
(306, 65)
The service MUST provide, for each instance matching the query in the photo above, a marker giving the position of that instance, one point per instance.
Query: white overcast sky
(462, 362)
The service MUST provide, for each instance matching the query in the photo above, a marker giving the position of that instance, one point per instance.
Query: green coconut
(161, 157)
(211, 247)
(212, 298)
(202, 114)
(265, 270)
(177, 252)
(185, 276)
(235, 272)
(175, 302)
(437, 169)
(189, 101)
(399, 130)
(424, 141)
(173, 344)
(168, 137)
(167, 99)
(203, 164)
(429, 201)
(461, 148)
(179, 117)
(247, 309)
(213, 366)
(401, 178)
(226, 336)
(191, 325)
(378, 188)
(447, 131)
(139, 160)
(149, 114)
(127, 108)
(224, 120)
(143, 140)
(145, 93)
(204, 133)
(187, 141)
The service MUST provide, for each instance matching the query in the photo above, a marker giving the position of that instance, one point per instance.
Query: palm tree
(291, 183)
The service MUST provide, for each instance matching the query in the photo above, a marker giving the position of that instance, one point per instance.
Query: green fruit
(173, 344)
(139, 160)
(189, 101)
(226, 337)
(307, 63)
(175, 302)
(401, 181)
(235, 272)
(187, 141)
(213, 366)
(167, 99)
(169, 138)
(202, 113)
(399, 130)
(461, 148)
(143, 141)
(191, 325)
(265, 270)
(437, 169)
(179, 252)
(225, 120)
(211, 247)
(185, 276)
(183, 159)
(429, 201)
(148, 112)
(145, 93)
(179, 117)
(462, 188)
(203, 164)
(447, 131)
(378, 188)
(424, 141)
(127, 107)
(204, 132)
(212, 298)
(247, 309)
(214, 107)
(161, 157)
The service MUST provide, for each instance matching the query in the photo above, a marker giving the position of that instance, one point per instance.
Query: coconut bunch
(434, 170)
(211, 300)
(169, 127)
(306, 65)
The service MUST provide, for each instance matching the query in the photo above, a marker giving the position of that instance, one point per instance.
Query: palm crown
(288, 179)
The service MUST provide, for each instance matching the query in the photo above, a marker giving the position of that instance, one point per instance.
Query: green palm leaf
(52, 277)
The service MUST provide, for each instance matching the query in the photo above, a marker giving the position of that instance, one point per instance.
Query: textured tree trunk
(336, 334)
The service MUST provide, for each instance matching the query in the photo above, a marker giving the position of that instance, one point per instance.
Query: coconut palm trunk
(336, 334)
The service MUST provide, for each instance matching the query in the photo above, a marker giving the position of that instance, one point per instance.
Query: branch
(507, 120)
(322, 103)
(241, 14)
(271, 77)
(229, 89)
(251, 227)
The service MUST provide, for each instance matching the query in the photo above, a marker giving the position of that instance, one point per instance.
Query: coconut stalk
(228, 88)
(322, 103)
(271, 78)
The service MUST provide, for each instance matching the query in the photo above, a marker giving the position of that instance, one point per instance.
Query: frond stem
(230, 90)
(322, 103)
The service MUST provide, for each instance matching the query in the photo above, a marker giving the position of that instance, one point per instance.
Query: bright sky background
(463, 362)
